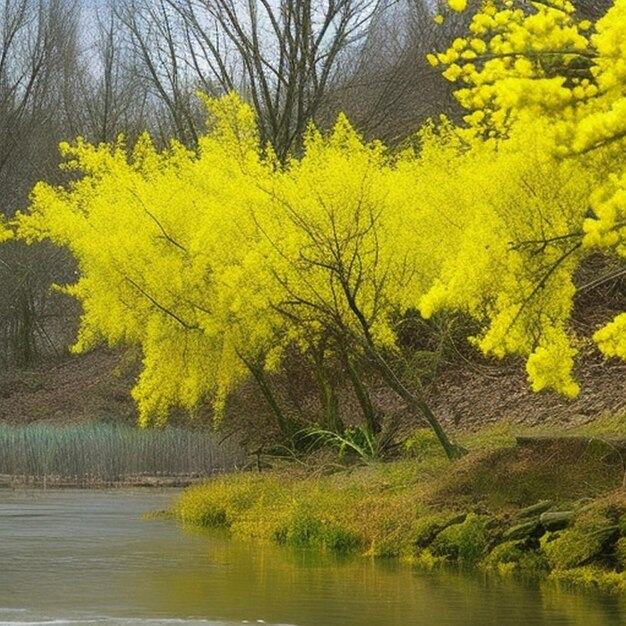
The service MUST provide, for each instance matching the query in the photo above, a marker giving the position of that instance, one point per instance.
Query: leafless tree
(388, 88)
(157, 41)
(283, 56)
(104, 94)
(38, 41)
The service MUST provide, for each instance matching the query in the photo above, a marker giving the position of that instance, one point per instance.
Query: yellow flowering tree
(345, 260)
(216, 262)
(544, 164)
(161, 240)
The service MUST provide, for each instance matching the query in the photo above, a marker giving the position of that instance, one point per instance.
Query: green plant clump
(305, 529)
(465, 542)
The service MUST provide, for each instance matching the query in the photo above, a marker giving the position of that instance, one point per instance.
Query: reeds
(99, 453)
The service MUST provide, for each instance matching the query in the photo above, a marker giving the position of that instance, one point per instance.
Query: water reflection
(88, 556)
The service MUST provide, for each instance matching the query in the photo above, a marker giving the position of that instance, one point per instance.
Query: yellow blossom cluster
(550, 89)
(5, 232)
(512, 267)
(514, 59)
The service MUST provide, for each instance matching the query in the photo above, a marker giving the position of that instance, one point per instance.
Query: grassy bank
(550, 506)
(100, 453)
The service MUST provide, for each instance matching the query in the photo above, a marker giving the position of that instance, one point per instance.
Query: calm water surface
(87, 557)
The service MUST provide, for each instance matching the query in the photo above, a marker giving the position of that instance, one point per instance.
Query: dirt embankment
(96, 386)
(480, 395)
(90, 387)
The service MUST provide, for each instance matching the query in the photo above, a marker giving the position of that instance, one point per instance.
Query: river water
(87, 557)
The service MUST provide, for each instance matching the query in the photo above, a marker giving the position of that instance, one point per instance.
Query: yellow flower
(458, 5)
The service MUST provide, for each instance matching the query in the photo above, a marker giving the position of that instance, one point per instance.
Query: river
(87, 557)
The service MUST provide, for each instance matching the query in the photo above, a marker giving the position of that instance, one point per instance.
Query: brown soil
(96, 386)
(81, 388)
(478, 395)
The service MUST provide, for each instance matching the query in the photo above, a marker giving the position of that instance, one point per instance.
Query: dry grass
(87, 454)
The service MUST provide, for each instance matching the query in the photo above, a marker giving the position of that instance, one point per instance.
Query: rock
(535, 509)
(522, 531)
(556, 520)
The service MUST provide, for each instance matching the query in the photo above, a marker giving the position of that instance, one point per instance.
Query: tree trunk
(259, 376)
(415, 403)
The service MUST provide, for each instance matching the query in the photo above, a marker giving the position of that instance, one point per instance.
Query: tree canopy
(215, 258)
(544, 91)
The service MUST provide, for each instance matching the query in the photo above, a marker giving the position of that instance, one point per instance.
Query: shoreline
(549, 508)
(555, 510)
(147, 481)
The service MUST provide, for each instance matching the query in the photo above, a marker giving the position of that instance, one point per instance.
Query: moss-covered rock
(507, 554)
(426, 527)
(465, 543)
(535, 510)
(528, 528)
(565, 549)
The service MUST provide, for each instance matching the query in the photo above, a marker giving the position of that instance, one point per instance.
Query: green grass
(606, 425)
(105, 453)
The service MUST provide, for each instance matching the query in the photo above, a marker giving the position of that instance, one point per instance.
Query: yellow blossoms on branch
(548, 90)
(217, 262)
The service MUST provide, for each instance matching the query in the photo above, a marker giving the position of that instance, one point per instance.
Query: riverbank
(550, 506)
(9, 481)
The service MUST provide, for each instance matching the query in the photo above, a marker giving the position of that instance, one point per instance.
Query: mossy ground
(423, 509)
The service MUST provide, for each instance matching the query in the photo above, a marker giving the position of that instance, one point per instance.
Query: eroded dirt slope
(96, 386)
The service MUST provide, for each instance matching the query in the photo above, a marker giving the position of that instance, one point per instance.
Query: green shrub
(220, 502)
(339, 539)
(534, 561)
(356, 441)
